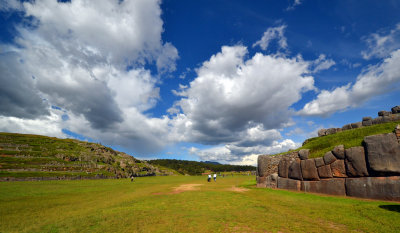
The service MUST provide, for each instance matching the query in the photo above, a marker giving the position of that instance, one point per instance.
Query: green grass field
(183, 204)
(350, 138)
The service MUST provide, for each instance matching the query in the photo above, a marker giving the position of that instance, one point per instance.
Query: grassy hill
(350, 138)
(24, 156)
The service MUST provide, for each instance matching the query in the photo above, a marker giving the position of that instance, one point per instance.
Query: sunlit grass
(350, 138)
(151, 205)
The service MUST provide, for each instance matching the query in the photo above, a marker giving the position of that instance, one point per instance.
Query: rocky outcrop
(383, 117)
(369, 171)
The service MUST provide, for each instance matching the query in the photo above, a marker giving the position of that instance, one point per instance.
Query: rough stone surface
(383, 153)
(338, 152)
(325, 171)
(396, 117)
(338, 169)
(283, 167)
(321, 132)
(285, 183)
(295, 170)
(367, 121)
(396, 109)
(377, 120)
(355, 162)
(304, 153)
(309, 170)
(346, 127)
(329, 186)
(261, 182)
(386, 119)
(319, 162)
(331, 131)
(329, 158)
(383, 113)
(272, 181)
(384, 188)
(356, 125)
(397, 132)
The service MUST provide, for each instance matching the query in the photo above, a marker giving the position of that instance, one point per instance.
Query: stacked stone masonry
(383, 117)
(370, 171)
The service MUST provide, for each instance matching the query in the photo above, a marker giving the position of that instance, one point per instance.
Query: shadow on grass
(395, 208)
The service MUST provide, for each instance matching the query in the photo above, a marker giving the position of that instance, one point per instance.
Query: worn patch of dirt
(237, 189)
(182, 188)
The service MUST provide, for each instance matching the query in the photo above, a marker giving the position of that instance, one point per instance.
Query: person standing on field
(209, 178)
(215, 177)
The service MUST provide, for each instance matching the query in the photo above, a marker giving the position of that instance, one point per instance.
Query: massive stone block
(366, 121)
(396, 109)
(295, 170)
(283, 167)
(325, 171)
(285, 183)
(395, 117)
(384, 113)
(272, 181)
(384, 188)
(329, 186)
(338, 151)
(383, 153)
(319, 162)
(267, 165)
(304, 153)
(377, 120)
(355, 162)
(346, 127)
(356, 125)
(321, 132)
(329, 158)
(309, 170)
(261, 182)
(331, 131)
(338, 169)
(386, 119)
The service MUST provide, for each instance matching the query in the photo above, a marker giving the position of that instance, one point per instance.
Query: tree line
(197, 168)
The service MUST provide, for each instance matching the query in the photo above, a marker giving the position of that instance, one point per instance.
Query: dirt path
(182, 188)
(237, 189)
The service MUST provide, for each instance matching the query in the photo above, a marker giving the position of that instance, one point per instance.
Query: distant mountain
(32, 157)
(211, 162)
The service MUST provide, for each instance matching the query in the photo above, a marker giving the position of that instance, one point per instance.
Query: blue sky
(199, 80)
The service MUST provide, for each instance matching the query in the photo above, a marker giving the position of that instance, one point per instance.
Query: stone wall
(368, 171)
(383, 117)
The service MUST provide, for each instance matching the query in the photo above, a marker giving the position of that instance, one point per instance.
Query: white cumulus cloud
(87, 58)
(382, 43)
(273, 33)
(376, 80)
